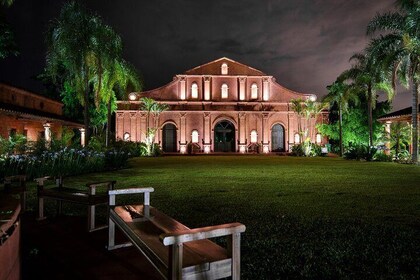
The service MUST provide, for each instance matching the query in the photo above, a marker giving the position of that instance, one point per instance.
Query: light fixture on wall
(132, 96)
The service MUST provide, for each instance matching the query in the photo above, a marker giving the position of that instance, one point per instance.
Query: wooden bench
(16, 185)
(176, 251)
(88, 197)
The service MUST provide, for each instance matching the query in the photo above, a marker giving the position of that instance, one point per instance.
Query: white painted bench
(176, 251)
(88, 197)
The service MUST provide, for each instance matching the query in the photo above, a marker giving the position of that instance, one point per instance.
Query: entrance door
(277, 138)
(169, 138)
(224, 137)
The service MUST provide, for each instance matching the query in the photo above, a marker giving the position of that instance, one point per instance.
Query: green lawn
(314, 218)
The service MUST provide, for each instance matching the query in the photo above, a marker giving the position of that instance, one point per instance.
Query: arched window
(194, 90)
(297, 138)
(194, 136)
(254, 91)
(318, 138)
(225, 91)
(224, 69)
(254, 136)
(126, 136)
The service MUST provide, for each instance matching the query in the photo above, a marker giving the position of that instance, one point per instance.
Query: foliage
(360, 152)
(84, 61)
(307, 149)
(399, 137)
(7, 44)
(153, 109)
(355, 124)
(382, 156)
(147, 150)
(397, 49)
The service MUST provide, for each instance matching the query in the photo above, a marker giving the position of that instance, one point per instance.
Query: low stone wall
(9, 238)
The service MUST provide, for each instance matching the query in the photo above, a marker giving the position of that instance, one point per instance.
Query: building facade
(221, 106)
(33, 115)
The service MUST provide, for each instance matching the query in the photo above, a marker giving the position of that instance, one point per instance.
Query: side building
(30, 114)
(221, 106)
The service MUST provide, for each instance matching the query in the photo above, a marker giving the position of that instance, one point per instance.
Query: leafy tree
(7, 43)
(398, 47)
(368, 79)
(340, 94)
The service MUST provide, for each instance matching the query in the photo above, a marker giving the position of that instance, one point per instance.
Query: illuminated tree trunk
(414, 122)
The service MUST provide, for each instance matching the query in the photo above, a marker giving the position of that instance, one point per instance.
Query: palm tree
(7, 3)
(153, 109)
(7, 42)
(341, 95)
(78, 43)
(298, 108)
(399, 137)
(399, 49)
(369, 79)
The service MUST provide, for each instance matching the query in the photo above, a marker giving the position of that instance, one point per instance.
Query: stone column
(207, 94)
(182, 131)
(82, 137)
(182, 88)
(47, 133)
(133, 134)
(119, 128)
(265, 130)
(388, 132)
(143, 126)
(242, 88)
(266, 88)
(207, 133)
(242, 132)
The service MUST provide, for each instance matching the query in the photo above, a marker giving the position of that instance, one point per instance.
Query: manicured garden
(314, 218)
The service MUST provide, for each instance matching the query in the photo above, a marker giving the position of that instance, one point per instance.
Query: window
(318, 138)
(194, 136)
(224, 91)
(254, 91)
(194, 90)
(126, 136)
(254, 136)
(224, 69)
(297, 138)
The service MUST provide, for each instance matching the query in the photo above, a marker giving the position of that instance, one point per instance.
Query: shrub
(297, 150)
(155, 150)
(381, 156)
(307, 149)
(360, 152)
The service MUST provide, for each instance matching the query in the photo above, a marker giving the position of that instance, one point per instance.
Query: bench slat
(156, 223)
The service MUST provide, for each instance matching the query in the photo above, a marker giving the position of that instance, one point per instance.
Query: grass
(306, 218)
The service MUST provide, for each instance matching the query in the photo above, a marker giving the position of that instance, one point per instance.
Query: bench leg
(40, 209)
(234, 250)
(175, 261)
(91, 218)
(111, 235)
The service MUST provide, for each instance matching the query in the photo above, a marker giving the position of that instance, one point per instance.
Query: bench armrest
(113, 193)
(180, 237)
(92, 186)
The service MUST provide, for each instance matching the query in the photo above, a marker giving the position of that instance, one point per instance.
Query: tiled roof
(406, 112)
(36, 114)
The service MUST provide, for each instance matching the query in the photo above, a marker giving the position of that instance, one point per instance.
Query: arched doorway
(224, 137)
(169, 138)
(277, 138)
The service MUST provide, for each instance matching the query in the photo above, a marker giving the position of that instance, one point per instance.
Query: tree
(153, 109)
(7, 43)
(340, 94)
(79, 45)
(399, 50)
(369, 79)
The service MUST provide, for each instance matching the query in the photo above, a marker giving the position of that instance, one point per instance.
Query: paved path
(63, 249)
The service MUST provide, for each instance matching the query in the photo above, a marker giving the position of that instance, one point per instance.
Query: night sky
(304, 44)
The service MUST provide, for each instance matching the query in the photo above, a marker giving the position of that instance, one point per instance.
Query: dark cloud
(305, 44)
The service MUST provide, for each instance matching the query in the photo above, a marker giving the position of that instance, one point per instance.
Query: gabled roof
(234, 68)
